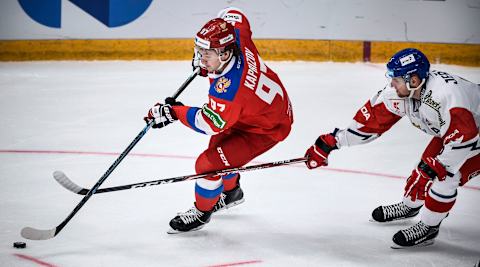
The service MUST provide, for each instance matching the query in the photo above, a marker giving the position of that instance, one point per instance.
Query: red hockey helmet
(217, 33)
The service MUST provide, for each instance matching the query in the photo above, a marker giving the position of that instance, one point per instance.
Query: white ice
(64, 115)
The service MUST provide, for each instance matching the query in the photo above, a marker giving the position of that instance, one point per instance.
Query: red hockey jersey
(247, 95)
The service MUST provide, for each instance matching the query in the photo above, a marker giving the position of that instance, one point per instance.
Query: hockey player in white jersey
(440, 104)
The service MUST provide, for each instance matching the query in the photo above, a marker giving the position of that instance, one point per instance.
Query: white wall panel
(451, 21)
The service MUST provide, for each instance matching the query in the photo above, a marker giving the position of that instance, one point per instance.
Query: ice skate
(191, 220)
(229, 199)
(393, 212)
(418, 235)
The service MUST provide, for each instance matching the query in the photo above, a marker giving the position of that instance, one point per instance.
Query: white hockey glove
(162, 114)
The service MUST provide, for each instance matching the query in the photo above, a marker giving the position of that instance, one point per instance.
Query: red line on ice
(189, 157)
(32, 259)
(236, 263)
(89, 153)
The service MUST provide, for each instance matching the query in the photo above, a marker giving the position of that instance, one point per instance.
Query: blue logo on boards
(46, 12)
(112, 13)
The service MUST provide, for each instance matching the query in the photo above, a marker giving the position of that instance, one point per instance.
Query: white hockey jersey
(449, 109)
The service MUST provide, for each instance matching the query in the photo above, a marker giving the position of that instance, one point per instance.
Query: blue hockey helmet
(406, 62)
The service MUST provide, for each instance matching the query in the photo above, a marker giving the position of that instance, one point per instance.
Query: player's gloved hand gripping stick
(36, 234)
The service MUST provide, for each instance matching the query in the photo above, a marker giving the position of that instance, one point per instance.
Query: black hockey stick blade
(64, 181)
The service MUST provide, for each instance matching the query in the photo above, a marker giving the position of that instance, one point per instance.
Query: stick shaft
(33, 233)
(193, 176)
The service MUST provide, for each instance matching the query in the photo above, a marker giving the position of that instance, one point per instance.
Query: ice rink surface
(77, 116)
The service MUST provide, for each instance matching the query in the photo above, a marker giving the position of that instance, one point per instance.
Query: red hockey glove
(162, 114)
(317, 155)
(422, 178)
(196, 63)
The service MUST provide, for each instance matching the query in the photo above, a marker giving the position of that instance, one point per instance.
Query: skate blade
(392, 221)
(172, 231)
(423, 244)
(233, 204)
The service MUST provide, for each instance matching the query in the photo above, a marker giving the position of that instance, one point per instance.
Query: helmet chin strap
(223, 62)
(413, 90)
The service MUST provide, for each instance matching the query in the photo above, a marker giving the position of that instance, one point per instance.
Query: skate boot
(418, 235)
(229, 199)
(393, 212)
(191, 220)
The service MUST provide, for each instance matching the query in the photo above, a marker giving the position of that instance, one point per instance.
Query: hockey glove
(173, 102)
(422, 178)
(161, 114)
(196, 63)
(317, 155)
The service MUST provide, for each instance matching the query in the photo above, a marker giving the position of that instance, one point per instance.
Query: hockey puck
(19, 245)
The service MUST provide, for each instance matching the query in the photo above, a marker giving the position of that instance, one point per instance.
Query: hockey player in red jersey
(438, 103)
(247, 113)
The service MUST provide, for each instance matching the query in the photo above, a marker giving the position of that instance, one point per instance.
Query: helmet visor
(392, 79)
(206, 54)
(389, 74)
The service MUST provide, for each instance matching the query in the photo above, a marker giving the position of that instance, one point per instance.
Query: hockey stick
(36, 234)
(62, 179)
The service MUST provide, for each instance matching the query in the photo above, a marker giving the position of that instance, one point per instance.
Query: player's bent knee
(204, 165)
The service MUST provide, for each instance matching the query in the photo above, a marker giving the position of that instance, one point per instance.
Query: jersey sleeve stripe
(191, 119)
(363, 136)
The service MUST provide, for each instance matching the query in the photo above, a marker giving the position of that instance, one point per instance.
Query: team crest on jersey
(222, 85)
